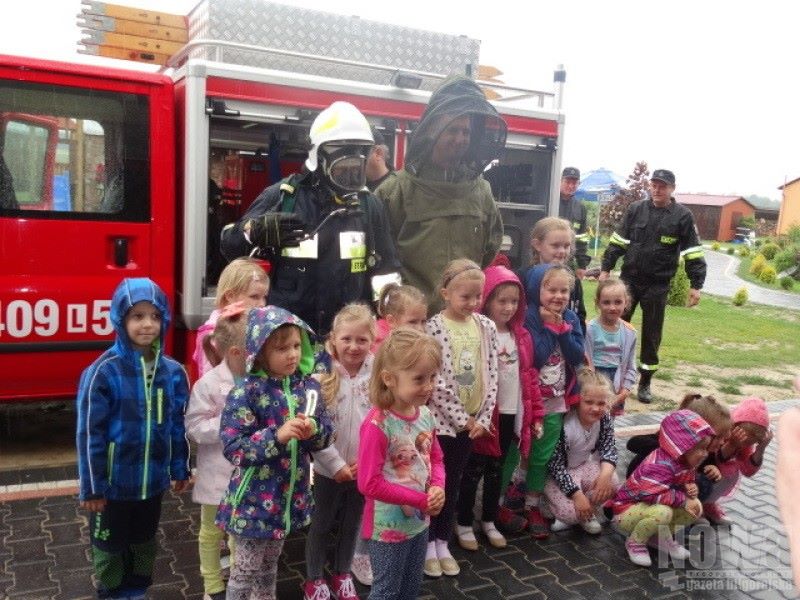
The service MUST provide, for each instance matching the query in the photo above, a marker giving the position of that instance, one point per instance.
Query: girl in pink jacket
(202, 421)
(517, 416)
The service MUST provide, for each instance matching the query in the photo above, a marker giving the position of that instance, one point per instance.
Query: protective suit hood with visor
(341, 139)
(457, 97)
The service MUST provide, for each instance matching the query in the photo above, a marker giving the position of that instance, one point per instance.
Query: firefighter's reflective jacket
(652, 240)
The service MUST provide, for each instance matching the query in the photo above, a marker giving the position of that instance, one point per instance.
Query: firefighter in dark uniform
(654, 234)
(326, 237)
(573, 210)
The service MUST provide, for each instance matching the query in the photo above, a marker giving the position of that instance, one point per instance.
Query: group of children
(502, 385)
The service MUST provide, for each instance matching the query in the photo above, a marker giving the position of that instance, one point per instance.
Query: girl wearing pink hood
(518, 413)
(660, 496)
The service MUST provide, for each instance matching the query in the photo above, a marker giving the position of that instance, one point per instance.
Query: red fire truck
(112, 173)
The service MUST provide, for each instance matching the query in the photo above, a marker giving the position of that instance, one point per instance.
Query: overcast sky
(708, 89)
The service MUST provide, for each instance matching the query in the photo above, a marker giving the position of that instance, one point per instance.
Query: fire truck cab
(113, 173)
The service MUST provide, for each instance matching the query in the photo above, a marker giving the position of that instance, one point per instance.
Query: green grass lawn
(719, 335)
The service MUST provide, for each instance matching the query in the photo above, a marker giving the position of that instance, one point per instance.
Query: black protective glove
(276, 230)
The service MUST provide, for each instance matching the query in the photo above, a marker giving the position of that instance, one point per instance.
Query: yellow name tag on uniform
(352, 244)
(306, 249)
(358, 265)
(666, 239)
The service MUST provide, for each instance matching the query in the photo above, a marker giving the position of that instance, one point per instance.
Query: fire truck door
(78, 163)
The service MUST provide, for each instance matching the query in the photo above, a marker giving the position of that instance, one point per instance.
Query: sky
(708, 89)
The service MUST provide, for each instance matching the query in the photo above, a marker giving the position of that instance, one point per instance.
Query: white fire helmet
(340, 122)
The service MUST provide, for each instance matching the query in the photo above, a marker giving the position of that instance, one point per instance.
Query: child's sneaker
(715, 514)
(343, 587)
(316, 589)
(509, 521)
(496, 539)
(592, 526)
(537, 525)
(466, 537)
(557, 526)
(515, 497)
(638, 553)
(362, 568)
(669, 545)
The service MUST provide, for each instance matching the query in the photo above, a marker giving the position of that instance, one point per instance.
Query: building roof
(788, 183)
(707, 199)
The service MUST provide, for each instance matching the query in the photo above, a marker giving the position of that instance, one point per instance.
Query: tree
(637, 186)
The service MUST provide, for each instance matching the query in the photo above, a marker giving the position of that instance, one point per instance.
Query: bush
(730, 250)
(759, 242)
(787, 258)
(740, 297)
(678, 287)
(794, 234)
(715, 246)
(769, 250)
(744, 251)
(787, 282)
(768, 274)
(758, 264)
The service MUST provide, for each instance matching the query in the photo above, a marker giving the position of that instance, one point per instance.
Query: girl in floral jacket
(270, 425)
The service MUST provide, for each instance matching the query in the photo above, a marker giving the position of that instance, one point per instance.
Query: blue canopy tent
(599, 181)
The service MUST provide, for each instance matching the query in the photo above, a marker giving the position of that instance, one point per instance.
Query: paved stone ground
(44, 553)
(722, 280)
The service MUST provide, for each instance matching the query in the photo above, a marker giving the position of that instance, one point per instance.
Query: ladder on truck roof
(215, 51)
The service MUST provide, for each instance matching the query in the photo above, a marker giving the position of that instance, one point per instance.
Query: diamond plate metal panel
(263, 23)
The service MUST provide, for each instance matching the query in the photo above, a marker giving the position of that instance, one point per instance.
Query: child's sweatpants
(123, 540)
(490, 469)
(329, 499)
(456, 451)
(642, 521)
(397, 568)
(540, 453)
(254, 569)
(208, 541)
(584, 476)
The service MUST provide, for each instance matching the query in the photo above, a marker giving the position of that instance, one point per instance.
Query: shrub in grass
(678, 287)
(787, 258)
(787, 282)
(744, 251)
(740, 297)
(759, 242)
(730, 250)
(768, 274)
(759, 262)
(715, 246)
(770, 250)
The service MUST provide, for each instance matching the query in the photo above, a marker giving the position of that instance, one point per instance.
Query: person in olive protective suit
(325, 235)
(439, 205)
(655, 233)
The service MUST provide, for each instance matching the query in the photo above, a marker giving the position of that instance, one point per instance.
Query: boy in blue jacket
(131, 440)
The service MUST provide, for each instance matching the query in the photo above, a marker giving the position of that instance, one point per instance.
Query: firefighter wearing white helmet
(325, 235)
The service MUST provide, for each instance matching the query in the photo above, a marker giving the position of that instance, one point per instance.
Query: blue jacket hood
(533, 283)
(262, 322)
(130, 291)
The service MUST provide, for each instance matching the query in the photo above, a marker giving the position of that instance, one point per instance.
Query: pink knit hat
(751, 410)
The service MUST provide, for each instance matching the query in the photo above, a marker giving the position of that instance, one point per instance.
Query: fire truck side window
(69, 153)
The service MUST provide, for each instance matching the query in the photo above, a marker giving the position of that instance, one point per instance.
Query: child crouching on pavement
(661, 495)
(131, 440)
(741, 453)
(582, 468)
(202, 426)
(271, 423)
